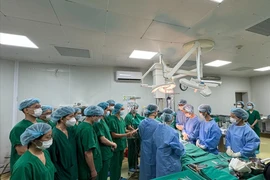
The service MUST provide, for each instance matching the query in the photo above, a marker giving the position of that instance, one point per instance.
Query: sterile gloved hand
(239, 166)
(238, 154)
(197, 142)
(229, 151)
(202, 146)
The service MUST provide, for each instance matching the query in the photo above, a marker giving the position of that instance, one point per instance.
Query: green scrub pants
(116, 165)
(103, 174)
(133, 152)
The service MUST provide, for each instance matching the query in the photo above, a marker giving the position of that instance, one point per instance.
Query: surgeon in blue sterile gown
(241, 140)
(169, 149)
(148, 149)
(209, 134)
(192, 125)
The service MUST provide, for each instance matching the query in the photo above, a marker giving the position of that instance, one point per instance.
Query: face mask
(239, 106)
(71, 122)
(234, 121)
(37, 112)
(249, 107)
(122, 113)
(187, 115)
(78, 117)
(45, 144)
(48, 117)
(202, 117)
(181, 108)
(108, 113)
(111, 108)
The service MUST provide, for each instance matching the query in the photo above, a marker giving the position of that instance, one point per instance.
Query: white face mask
(122, 113)
(45, 144)
(202, 118)
(232, 120)
(108, 113)
(71, 122)
(37, 112)
(111, 108)
(249, 107)
(48, 117)
(239, 106)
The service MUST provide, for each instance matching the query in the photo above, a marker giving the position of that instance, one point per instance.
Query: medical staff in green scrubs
(88, 150)
(119, 133)
(110, 112)
(35, 163)
(253, 119)
(78, 115)
(63, 150)
(133, 119)
(105, 141)
(45, 117)
(31, 109)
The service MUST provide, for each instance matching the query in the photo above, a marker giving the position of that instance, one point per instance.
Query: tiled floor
(264, 153)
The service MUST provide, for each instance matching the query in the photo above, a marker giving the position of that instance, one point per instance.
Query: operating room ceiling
(109, 30)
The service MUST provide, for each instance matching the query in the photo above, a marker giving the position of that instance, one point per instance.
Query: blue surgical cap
(111, 102)
(94, 111)
(241, 102)
(117, 108)
(103, 105)
(151, 108)
(167, 117)
(182, 102)
(189, 108)
(61, 112)
(46, 108)
(33, 132)
(28, 102)
(240, 113)
(77, 110)
(252, 104)
(205, 108)
(167, 110)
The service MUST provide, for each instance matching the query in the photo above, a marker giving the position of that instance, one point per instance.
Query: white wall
(6, 105)
(221, 99)
(260, 90)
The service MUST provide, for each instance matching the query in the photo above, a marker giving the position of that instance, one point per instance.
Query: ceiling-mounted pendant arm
(181, 62)
(198, 62)
(147, 72)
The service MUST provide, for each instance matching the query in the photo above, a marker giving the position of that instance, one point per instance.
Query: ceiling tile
(126, 25)
(98, 4)
(166, 32)
(80, 16)
(38, 10)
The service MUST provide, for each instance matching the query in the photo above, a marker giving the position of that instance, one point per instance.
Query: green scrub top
(159, 119)
(133, 121)
(102, 129)
(63, 154)
(86, 139)
(118, 126)
(47, 122)
(14, 138)
(107, 119)
(30, 167)
(255, 115)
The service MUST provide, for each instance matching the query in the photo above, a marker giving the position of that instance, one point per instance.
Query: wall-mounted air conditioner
(128, 76)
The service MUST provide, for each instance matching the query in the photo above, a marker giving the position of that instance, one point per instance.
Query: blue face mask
(78, 117)
(122, 113)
